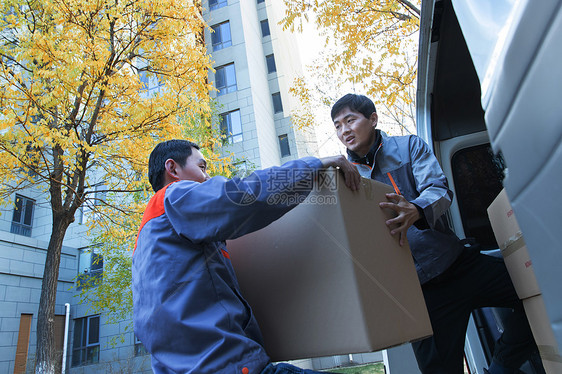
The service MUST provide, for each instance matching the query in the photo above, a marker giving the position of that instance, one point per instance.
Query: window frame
(85, 347)
(270, 63)
(150, 84)
(265, 30)
(227, 132)
(228, 87)
(90, 273)
(277, 102)
(20, 227)
(140, 349)
(219, 31)
(241, 169)
(284, 145)
(217, 4)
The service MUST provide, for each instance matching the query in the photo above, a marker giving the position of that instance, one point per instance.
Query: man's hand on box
(407, 215)
(349, 171)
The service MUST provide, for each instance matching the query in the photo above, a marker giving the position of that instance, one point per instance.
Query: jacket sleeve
(435, 197)
(221, 208)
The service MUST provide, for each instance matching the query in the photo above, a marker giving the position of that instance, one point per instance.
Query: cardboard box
(544, 336)
(505, 226)
(328, 278)
(513, 248)
(520, 268)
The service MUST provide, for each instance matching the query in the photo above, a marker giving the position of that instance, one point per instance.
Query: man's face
(355, 131)
(195, 168)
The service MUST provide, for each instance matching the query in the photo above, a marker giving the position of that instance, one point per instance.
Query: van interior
(452, 121)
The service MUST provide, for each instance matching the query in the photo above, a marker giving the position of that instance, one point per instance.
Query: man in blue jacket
(188, 310)
(455, 280)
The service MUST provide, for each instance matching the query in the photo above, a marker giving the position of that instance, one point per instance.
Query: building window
(225, 79)
(96, 198)
(151, 85)
(140, 350)
(231, 127)
(265, 28)
(22, 219)
(86, 345)
(270, 60)
(261, 1)
(216, 4)
(241, 169)
(284, 145)
(277, 104)
(90, 267)
(220, 37)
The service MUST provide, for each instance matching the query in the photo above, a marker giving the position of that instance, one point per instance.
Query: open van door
(490, 105)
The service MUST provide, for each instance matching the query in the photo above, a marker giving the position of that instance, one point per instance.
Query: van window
(478, 175)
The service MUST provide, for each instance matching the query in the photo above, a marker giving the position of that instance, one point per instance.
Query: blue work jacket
(188, 310)
(409, 163)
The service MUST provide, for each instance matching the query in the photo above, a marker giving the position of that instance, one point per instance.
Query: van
(489, 104)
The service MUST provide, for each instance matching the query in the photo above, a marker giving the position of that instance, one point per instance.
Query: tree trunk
(45, 362)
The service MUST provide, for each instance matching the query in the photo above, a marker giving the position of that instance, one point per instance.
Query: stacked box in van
(520, 268)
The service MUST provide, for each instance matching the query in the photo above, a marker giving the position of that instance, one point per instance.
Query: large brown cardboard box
(544, 336)
(513, 247)
(328, 278)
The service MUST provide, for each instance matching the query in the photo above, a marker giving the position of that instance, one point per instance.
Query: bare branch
(410, 7)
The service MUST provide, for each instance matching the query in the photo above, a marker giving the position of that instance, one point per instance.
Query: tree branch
(411, 7)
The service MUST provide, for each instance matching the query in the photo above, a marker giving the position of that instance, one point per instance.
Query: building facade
(255, 64)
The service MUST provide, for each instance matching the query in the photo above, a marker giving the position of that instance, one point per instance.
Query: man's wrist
(420, 211)
(421, 222)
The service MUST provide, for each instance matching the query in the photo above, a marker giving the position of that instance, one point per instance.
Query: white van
(490, 104)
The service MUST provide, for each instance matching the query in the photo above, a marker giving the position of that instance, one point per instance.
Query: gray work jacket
(419, 178)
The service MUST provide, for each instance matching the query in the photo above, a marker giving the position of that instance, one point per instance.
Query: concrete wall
(22, 262)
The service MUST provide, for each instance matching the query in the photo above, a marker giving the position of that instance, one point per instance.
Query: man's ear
(171, 169)
(374, 119)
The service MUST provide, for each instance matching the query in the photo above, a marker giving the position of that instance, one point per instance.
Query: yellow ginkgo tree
(371, 44)
(113, 239)
(87, 88)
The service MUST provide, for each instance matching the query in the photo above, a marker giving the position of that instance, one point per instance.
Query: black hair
(176, 149)
(357, 103)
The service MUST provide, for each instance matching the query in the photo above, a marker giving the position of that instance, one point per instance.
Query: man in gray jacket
(455, 279)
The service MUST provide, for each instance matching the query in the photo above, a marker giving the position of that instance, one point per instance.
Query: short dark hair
(176, 149)
(357, 103)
